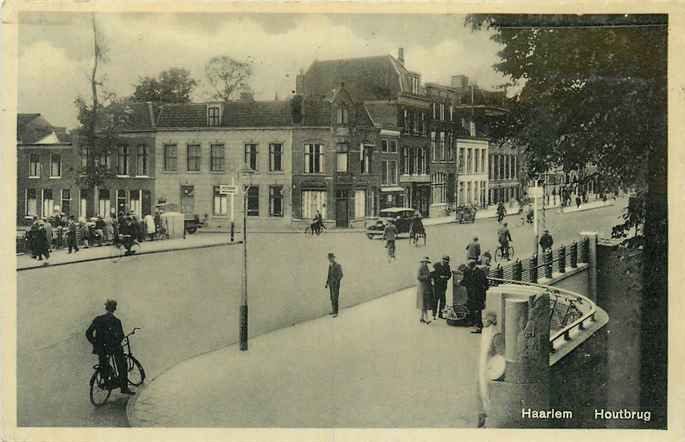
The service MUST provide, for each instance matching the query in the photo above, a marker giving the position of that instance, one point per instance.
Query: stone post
(574, 254)
(590, 239)
(548, 258)
(562, 259)
(517, 271)
(533, 268)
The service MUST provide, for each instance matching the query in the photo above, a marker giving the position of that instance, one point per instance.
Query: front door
(342, 199)
(187, 200)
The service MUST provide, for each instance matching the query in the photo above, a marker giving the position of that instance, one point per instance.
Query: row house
(397, 107)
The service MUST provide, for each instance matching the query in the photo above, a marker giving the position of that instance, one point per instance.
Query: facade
(45, 159)
(504, 174)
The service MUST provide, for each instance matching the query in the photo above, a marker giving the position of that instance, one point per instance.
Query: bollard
(548, 259)
(517, 271)
(574, 254)
(499, 273)
(232, 234)
(585, 251)
(533, 268)
(562, 259)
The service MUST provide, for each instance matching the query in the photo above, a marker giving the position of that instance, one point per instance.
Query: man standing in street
(473, 250)
(546, 241)
(441, 274)
(105, 334)
(335, 274)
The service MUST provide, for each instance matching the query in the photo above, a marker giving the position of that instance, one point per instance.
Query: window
(420, 161)
(122, 160)
(491, 174)
(313, 158)
(135, 203)
(104, 203)
(450, 146)
(275, 200)
(313, 200)
(468, 193)
(220, 203)
(384, 145)
(251, 156)
(393, 146)
(384, 172)
(422, 128)
(482, 161)
(342, 114)
(443, 153)
(341, 155)
(84, 152)
(451, 113)
(276, 157)
(442, 111)
(434, 147)
(170, 154)
(392, 172)
(253, 201)
(435, 111)
(462, 197)
(359, 204)
(83, 203)
(405, 160)
(469, 160)
(103, 160)
(214, 116)
(66, 201)
(217, 154)
(406, 120)
(34, 165)
(516, 175)
(31, 202)
(414, 83)
(476, 157)
(55, 165)
(48, 203)
(366, 159)
(472, 128)
(462, 160)
(142, 166)
(193, 158)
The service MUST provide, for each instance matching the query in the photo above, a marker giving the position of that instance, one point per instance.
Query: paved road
(186, 302)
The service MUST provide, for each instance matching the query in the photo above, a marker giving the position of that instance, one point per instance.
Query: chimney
(460, 81)
(299, 83)
(400, 55)
(297, 108)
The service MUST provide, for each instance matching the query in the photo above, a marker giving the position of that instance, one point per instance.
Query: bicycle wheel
(116, 252)
(511, 252)
(498, 254)
(99, 392)
(136, 372)
(135, 248)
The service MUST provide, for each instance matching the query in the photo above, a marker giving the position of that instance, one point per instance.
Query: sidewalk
(61, 256)
(373, 366)
(588, 206)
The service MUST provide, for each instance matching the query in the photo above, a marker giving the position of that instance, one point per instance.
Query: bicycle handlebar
(133, 332)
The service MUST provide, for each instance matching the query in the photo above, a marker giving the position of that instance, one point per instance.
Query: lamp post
(244, 172)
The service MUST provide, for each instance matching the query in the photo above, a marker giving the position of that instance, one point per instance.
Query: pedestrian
(476, 283)
(440, 275)
(578, 200)
(83, 232)
(546, 241)
(42, 245)
(72, 235)
(424, 290)
(335, 274)
(473, 250)
(32, 235)
(49, 234)
(109, 229)
(150, 227)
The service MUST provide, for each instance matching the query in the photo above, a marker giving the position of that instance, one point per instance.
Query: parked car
(401, 215)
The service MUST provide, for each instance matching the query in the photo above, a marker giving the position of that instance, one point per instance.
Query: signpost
(535, 192)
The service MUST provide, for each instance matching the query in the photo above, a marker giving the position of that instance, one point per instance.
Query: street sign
(227, 189)
(535, 192)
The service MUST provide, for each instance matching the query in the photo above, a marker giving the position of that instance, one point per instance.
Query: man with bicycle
(106, 335)
(501, 211)
(504, 237)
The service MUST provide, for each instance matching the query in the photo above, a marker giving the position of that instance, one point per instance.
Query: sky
(56, 49)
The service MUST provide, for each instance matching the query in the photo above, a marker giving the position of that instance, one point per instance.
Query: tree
(227, 76)
(101, 120)
(594, 91)
(174, 85)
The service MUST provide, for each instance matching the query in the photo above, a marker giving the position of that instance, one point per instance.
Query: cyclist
(389, 235)
(105, 334)
(501, 211)
(127, 233)
(546, 241)
(504, 237)
(416, 229)
(317, 223)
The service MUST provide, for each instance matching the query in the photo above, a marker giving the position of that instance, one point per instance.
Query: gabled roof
(257, 114)
(366, 78)
(382, 114)
(182, 115)
(35, 129)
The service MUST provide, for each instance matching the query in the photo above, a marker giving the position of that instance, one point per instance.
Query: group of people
(66, 231)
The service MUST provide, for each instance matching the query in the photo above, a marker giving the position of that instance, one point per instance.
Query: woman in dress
(424, 290)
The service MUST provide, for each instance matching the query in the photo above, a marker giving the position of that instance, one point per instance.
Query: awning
(392, 189)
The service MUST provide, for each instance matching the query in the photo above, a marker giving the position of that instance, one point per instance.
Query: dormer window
(342, 116)
(214, 115)
(414, 84)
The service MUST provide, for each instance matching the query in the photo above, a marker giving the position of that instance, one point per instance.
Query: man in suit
(335, 274)
(441, 274)
(473, 250)
(105, 334)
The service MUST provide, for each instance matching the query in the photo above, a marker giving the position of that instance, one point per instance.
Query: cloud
(56, 49)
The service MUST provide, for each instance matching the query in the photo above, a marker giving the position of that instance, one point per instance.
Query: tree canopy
(228, 76)
(174, 85)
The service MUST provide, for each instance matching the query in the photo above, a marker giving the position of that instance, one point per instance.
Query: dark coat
(546, 241)
(40, 240)
(335, 274)
(105, 333)
(473, 251)
(476, 283)
(441, 275)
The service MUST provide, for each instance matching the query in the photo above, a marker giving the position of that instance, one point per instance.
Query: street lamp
(246, 173)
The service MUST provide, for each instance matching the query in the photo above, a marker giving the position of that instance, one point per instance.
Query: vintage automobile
(402, 216)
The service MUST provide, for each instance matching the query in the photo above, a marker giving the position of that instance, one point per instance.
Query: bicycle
(119, 249)
(499, 256)
(414, 238)
(314, 229)
(101, 386)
